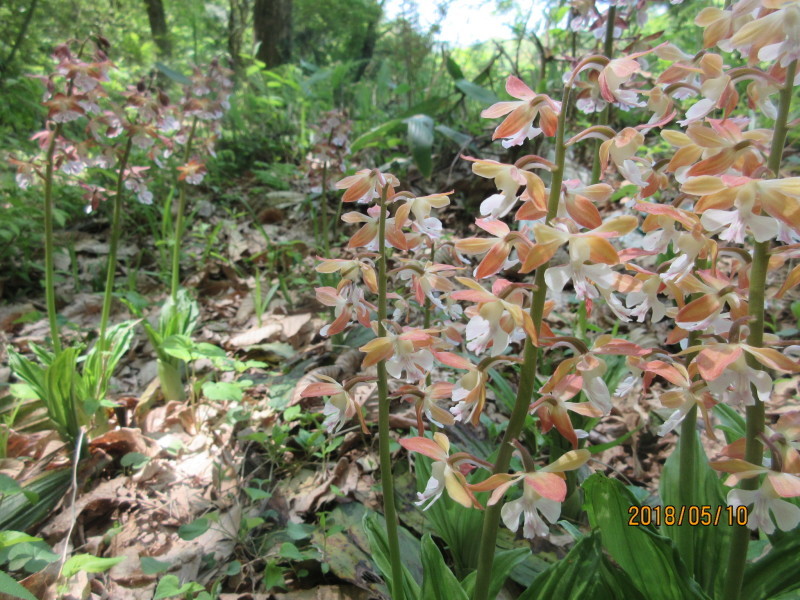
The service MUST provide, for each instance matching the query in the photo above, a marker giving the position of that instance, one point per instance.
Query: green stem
(605, 117)
(491, 518)
(687, 469)
(176, 242)
(687, 466)
(426, 311)
(387, 481)
(49, 267)
(755, 414)
(326, 234)
(111, 268)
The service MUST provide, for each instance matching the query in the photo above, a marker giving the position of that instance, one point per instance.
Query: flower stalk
(605, 116)
(758, 276)
(49, 266)
(491, 518)
(111, 267)
(387, 481)
(176, 243)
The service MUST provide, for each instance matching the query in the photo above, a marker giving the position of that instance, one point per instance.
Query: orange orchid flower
(446, 471)
(543, 491)
(497, 250)
(518, 126)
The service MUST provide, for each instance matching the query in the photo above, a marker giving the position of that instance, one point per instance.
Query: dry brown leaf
(103, 499)
(125, 440)
(287, 327)
(324, 592)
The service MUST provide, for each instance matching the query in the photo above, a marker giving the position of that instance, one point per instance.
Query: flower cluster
(142, 117)
(706, 211)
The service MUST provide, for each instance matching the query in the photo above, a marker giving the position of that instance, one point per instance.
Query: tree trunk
(368, 48)
(237, 22)
(272, 25)
(158, 26)
(20, 36)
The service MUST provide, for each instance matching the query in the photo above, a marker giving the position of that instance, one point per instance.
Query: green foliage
(14, 589)
(457, 525)
(585, 572)
(379, 544)
(72, 387)
(644, 555)
(49, 488)
(438, 582)
(86, 563)
(776, 573)
(708, 541)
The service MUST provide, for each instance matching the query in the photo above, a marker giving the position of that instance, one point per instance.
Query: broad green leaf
(9, 586)
(379, 545)
(420, 140)
(462, 139)
(776, 573)
(643, 554)
(88, 564)
(708, 541)
(9, 538)
(151, 566)
(476, 92)
(257, 494)
(290, 552)
(438, 582)
(179, 346)
(194, 529)
(173, 74)
(170, 586)
(504, 562)
(135, 460)
(583, 573)
(299, 531)
(273, 576)
(730, 422)
(222, 391)
(233, 568)
(375, 135)
(9, 486)
(180, 317)
(453, 68)
(28, 556)
(18, 514)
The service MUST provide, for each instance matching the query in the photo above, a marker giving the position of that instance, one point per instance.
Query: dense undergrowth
(217, 364)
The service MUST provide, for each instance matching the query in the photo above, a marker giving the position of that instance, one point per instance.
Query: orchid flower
(768, 500)
(426, 401)
(348, 302)
(498, 250)
(340, 406)
(552, 407)
(425, 279)
(366, 185)
(518, 126)
(499, 318)
(447, 471)
(724, 368)
(367, 236)
(408, 351)
(351, 269)
(779, 198)
(508, 179)
(543, 491)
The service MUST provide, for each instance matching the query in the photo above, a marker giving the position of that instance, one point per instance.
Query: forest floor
(240, 486)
